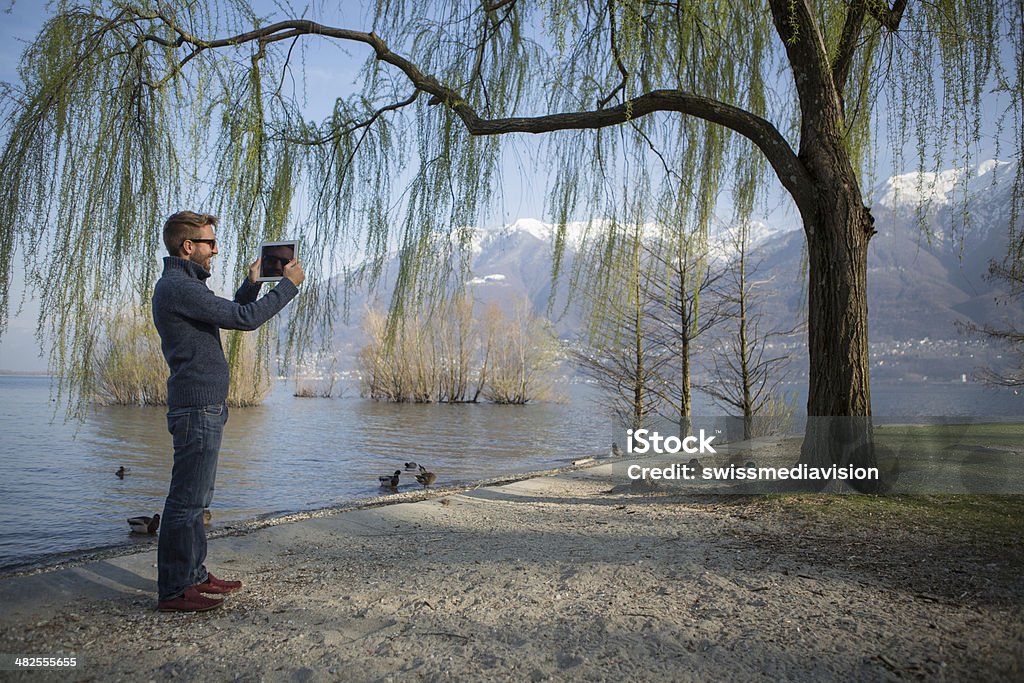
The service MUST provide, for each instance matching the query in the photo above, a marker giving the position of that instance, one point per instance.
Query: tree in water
(131, 370)
(521, 354)
(453, 356)
(126, 105)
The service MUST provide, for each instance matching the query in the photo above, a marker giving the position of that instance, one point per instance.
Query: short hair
(184, 225)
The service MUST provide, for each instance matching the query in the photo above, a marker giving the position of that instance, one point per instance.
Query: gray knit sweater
(189, 318)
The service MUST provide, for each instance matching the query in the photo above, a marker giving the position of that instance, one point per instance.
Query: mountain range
(927, 266)
(937, 233)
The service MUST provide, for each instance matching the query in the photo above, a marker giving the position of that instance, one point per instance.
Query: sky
(18, 348)
(332, 69)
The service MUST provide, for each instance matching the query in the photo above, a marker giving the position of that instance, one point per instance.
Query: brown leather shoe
(215, 586)
(189, 601)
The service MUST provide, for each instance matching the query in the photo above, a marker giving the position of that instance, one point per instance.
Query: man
(189, 318)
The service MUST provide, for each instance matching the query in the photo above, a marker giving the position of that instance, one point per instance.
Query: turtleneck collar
(190, 268)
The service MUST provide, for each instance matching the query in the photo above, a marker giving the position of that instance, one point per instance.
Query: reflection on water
(58, 491)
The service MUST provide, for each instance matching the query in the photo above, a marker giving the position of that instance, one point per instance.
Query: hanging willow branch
(128, 111)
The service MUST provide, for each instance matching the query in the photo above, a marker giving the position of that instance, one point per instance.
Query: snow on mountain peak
(493, 278)
(545, 232)
(925, 188)
(982, 186)
(532, 226)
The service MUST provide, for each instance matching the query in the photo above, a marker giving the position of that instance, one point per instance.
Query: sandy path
(558, 577)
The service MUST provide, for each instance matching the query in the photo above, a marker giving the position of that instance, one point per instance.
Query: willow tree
(121, 100)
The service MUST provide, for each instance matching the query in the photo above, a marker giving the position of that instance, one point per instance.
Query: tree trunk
(684, 394)
(687, 325)
(748, 408)
(838, 227)
(839, 395)
(638, 383)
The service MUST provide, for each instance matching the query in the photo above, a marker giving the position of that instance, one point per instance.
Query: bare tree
(131, 369)
(458, 341)
(401, 364)
(687, 311)
(1010, 335)
(451, 357)
(747, 370)
(130, 365)
(379, 369)
(617, 353)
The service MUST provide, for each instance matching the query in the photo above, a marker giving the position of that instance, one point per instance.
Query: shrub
(131, 369)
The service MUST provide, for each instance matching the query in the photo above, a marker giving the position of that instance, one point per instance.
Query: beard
(205, 263)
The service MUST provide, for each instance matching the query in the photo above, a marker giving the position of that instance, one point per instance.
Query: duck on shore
(426, 478)
(696, 469)
(144, 525)
(390, 481)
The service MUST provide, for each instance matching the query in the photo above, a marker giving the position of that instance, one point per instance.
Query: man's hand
(254, 270)
(294, 272)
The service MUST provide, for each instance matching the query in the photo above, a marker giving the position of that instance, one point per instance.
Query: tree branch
(759, 131)
(888, 18)
(852, 27)
(497, 5)
(476, 73)
(843, 62)
(618, 58)
(797, 25)
(762, 133)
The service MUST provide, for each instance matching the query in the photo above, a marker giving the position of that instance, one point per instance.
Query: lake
(59, 494)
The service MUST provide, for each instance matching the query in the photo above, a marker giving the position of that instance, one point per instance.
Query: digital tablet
(273, 258)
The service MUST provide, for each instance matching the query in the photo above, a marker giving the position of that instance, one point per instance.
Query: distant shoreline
(882, 381)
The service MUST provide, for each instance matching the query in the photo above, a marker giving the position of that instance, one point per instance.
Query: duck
(207, 517)
(426, 478)
(144, 525)
(695, 467)
(616, 451)
(121, 471)
(411, 466)
(390, 481)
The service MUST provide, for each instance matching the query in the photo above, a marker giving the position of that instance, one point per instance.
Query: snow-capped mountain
(937, 233)
(952, 205)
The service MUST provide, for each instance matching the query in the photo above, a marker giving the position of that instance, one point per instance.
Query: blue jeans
(181, 551)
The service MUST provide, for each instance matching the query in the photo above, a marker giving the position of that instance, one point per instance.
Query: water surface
(59, 494)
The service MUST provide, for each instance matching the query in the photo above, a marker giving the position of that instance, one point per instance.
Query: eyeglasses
(211, 241)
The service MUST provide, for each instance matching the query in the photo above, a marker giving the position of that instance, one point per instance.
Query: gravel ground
(568, 577)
